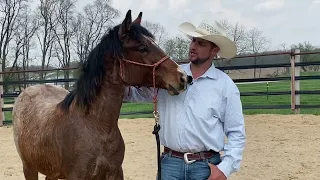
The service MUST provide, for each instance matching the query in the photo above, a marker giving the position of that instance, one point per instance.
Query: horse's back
(34, 115)
(37, 101)
(39, 98)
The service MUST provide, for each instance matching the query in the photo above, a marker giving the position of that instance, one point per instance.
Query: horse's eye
(143, 49)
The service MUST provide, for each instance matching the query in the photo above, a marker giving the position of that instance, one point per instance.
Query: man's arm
(142, 94)
(234, 129)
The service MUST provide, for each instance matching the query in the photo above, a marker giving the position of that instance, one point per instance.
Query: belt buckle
(186, 160)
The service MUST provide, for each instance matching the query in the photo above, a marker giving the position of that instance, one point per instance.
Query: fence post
(1, 104)
(293, 88)
(1, 98)
(295, 85)
(297, 82)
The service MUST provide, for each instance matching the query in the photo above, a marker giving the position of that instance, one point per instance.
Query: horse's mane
(92, 70)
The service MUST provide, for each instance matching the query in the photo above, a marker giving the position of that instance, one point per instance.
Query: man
(195, 122)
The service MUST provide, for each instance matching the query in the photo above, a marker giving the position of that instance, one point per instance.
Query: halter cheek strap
(155, 91)
(156, 113)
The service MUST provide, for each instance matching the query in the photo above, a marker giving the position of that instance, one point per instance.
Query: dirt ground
(279, 147)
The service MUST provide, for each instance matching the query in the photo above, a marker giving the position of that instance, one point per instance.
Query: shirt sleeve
(234, 129)
(142, 94)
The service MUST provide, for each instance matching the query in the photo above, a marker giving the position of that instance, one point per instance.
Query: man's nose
(192, 46)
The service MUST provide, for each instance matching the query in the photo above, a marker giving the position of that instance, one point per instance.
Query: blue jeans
(173, 168)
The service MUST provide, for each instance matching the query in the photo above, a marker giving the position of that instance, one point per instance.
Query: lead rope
(155, 131)
(156, 113)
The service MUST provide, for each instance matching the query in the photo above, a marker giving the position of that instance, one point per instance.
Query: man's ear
(214, 51)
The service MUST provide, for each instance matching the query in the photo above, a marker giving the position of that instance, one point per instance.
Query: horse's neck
(108, 103)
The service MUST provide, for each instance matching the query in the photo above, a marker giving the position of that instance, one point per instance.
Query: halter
(155, 92)
(156, 113)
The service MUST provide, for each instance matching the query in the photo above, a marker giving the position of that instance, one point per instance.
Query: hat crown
(214, 33)
(207, 29)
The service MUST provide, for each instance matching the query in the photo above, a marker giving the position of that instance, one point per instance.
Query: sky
(281, 21)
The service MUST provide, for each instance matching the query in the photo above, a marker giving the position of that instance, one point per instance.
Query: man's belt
(191, 157)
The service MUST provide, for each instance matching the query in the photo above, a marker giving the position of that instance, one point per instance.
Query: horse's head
(144, 63)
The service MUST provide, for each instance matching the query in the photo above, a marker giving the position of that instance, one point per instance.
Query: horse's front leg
(29, 172)
(75, 176)
(115, 175)
(48, 178)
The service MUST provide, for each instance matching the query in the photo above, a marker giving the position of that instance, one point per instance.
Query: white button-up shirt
(199, 118)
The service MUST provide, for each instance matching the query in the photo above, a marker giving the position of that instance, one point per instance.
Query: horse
(74, 134)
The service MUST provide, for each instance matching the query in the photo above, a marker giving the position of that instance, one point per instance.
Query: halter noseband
(155, 92)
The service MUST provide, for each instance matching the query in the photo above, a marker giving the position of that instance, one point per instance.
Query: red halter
(156, 113)
(155, 92)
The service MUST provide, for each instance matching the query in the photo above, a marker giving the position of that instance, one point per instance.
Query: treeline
(57, 34)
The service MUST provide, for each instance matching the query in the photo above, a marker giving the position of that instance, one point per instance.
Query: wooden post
(1, 98)
(297, 82)
(1, 104)
(293, 87)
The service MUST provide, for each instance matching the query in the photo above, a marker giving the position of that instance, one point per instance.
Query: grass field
(246, 100)
(258, 100)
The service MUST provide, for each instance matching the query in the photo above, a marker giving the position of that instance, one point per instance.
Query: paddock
(279, 147)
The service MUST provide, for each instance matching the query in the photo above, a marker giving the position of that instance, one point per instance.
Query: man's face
(201, 50)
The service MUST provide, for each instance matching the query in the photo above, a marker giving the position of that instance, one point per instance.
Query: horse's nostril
(182, 79)
(190, 79)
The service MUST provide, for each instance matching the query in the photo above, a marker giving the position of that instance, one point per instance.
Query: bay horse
(74, 135)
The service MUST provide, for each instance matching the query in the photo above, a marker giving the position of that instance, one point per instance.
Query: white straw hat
(214, 33)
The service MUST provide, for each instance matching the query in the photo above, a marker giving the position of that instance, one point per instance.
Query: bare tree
(9, 10)
(177, 48)
(157, 30)
(45, 33)
(91, 25)
(64, 32)
(238, 33)
(26, 25)
(258, 43)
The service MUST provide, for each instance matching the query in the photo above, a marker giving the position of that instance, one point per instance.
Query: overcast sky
(282, 21)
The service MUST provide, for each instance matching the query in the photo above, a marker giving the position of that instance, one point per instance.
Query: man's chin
(198, 61)
(192, 60)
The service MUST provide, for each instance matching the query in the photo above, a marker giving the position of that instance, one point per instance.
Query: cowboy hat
(214, 33)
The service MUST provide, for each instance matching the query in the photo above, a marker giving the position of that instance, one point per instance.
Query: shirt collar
(210, 73)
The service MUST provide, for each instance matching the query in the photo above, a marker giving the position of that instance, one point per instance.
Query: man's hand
(216, 174)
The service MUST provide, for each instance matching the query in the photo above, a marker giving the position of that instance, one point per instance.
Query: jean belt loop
(202, 156)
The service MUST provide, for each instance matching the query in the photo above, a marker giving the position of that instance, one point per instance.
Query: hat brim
(228, 49)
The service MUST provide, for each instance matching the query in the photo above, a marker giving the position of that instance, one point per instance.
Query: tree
(26, 27)
(63, 33)
(257, 43)
(307, 47)
(9, 11)
(157, 30)
(238, 33)
(91, 25)
(177, 48)
(45, 34)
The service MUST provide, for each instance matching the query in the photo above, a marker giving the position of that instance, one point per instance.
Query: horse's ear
(138, 19)
(125, 26)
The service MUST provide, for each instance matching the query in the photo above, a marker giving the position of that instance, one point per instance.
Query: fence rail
(294, 79)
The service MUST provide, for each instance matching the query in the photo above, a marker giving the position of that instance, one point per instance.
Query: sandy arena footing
(279, 147)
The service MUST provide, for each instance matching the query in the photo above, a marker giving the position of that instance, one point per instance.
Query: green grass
(260, 100)
(246, 100)
(305, 99)
(136, 107)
